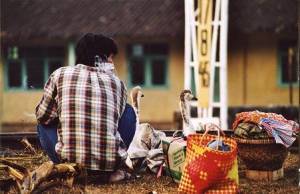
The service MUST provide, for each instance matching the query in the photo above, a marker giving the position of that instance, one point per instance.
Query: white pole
(194, 45)
(71, 54)
(214, 48)
(223, 64)
(187, 47)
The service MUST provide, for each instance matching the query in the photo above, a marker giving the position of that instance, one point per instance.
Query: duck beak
(194, 98)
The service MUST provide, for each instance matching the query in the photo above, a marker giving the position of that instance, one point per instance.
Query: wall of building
(252, 81)
(19, 106)
(253, 72)
(159, 104)
(1, 92)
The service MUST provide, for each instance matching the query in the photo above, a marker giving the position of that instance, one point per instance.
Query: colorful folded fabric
(255, 117)
(282, 132)
(260, 125)
(250, 131)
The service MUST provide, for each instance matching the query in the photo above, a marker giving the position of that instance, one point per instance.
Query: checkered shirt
(89, 102)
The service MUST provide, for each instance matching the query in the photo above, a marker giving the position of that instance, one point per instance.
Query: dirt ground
(149, 183)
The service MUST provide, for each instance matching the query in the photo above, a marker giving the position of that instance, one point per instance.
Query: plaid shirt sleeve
(46, 110)
(124, 97)
(122, 147)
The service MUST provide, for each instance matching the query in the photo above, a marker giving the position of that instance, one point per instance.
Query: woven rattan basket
(263, 154)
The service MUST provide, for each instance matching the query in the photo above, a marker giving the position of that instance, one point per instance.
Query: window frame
(24, 74)
(6, 76)
(280, 82)
(147, 58)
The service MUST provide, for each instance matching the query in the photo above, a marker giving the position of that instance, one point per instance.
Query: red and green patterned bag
(205, 168)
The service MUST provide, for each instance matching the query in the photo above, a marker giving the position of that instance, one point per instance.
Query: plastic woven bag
(206, 167)
(224, 187)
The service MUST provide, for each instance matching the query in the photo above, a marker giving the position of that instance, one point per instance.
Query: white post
(223, 64)
(71, 54)
(192, 56)
(194, 45)
(187, 47)
(214, 48)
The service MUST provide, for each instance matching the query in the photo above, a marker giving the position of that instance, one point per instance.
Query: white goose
(184, 104)
(146, 139)
(143, 130)
(136, 95)
(135, 147)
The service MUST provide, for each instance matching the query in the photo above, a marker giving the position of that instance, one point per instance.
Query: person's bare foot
(119, 175)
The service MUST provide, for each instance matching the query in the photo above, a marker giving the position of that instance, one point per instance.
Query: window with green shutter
(287, 61)
(28, 68)
(148, 64)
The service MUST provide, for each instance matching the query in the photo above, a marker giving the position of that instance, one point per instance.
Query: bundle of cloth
(261, 125)
(145, 150)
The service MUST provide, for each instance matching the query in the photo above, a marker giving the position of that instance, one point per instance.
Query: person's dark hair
(91, 45)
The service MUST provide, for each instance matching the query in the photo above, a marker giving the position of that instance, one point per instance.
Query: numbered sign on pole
(204, 51)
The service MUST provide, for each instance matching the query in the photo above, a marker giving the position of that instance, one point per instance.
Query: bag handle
(208, 127)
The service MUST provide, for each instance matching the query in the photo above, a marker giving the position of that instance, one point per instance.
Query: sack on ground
(174, 149)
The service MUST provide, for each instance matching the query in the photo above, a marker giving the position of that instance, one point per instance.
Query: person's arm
(46, 110)
(124, 98)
